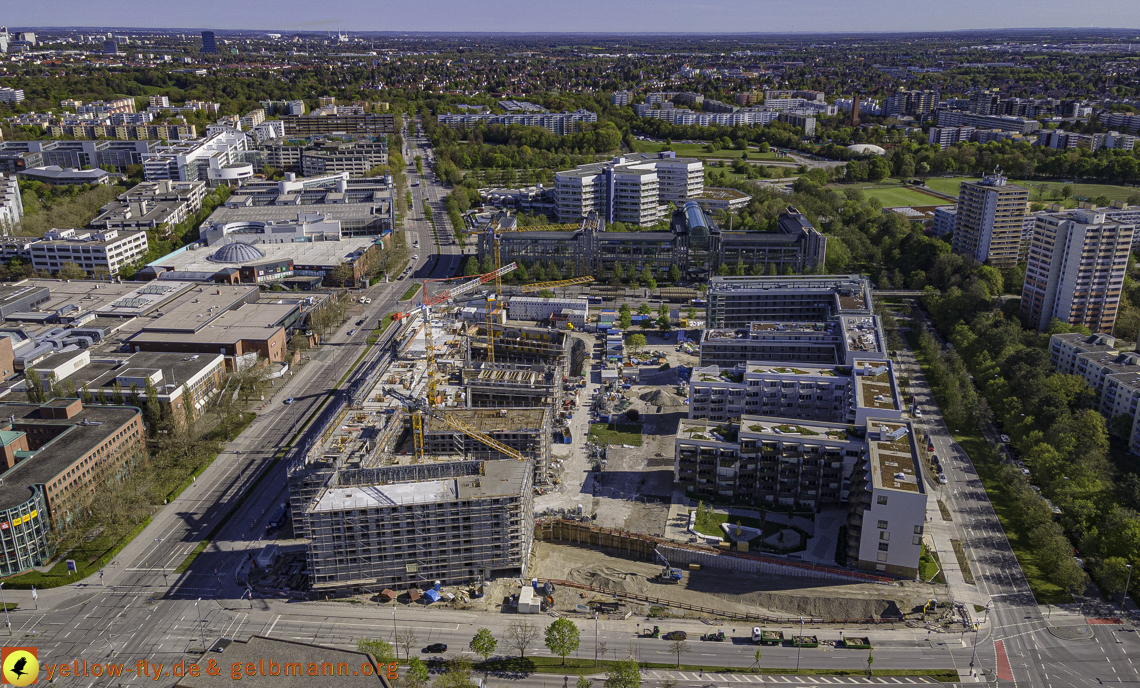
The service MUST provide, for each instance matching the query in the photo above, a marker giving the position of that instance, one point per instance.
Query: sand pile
(660, 397)
(610, 579)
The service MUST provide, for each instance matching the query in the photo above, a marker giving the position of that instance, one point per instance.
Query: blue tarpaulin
(432, 595)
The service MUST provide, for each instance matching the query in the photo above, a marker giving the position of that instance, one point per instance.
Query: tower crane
(551, 285)
(419, 408)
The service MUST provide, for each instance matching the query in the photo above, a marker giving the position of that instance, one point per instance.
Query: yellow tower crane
(551, 285)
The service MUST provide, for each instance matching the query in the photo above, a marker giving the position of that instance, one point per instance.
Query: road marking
(270, 631)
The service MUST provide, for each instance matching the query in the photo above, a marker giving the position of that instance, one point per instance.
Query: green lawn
(579, 667)
(892, 194)
(950, 186)
(616, 433)
(697, 150)
(411, 292)
(985, 460)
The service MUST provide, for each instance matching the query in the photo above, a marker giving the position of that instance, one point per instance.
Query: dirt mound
(837, 607)
(609, 579)
(659, 397)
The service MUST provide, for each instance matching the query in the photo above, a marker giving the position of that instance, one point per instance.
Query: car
(1004, 439)
(436, 647)
(917, 412)
(360, 322)
(289, 400)
(676, 635)
(351, 332)
(942, 478)
(416, 257)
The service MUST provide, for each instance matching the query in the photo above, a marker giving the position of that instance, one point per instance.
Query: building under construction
(401, 527)
(526, 430)
(506, 385)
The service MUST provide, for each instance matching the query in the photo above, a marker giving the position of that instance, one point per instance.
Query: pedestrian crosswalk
(722, 680)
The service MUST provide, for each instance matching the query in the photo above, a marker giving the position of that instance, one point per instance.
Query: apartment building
(58, 455)
(740, 301)
(557, 122)
(913, 103)
(319, 156)
(1075, 272)
(831, 394)
(175, 131)
(621, 98)
(282, 107)
(1017, 125)
(308, 125)
(11, 96)
(633, 189)
(526, 430)
(11, 204)
(989, 219)
(887, 502)
(96, 251)
(106, 107)
(1114, 377)
(151, 205)
(406, 526)
(506, 385)
(838, 340)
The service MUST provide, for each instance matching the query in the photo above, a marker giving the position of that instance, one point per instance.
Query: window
(882, 557)
(918, 530)
(916, 540)
(882, 499)
(883, 546)
(882, 525)
(884, 535)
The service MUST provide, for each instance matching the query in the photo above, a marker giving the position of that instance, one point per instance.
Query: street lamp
(7, 621)
(595, 639)
(395, 640)
(1122, 599)
(977, 627)
(800, 643)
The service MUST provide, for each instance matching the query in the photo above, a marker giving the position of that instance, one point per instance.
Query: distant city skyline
(627, 16)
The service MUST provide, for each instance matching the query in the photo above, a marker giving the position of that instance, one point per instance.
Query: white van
(756, 634)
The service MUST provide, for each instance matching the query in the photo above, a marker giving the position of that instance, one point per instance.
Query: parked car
(436, 647)
(676, 635)
(1004, 439)
(289, 400)
(942, 478)
(360, 322)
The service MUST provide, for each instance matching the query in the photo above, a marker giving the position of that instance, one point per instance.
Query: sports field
(950, 186)
(892, 194)
(697, 150)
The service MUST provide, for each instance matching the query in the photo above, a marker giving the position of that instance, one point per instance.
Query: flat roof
(721, 194)
(499, 479)
(208, 303)
(50, 460)
(291, 212)
(893, 466)
(228, 328)
(176, 369)
(493, 420)
(302, 253)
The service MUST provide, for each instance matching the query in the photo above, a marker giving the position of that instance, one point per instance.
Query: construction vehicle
(717, 637)
(668, 574)
(655, 633)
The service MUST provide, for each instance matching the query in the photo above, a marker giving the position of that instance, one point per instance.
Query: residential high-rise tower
(988, 223)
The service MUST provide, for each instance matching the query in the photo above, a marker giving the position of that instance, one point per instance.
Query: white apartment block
(11, 204)
(95, 251)
(1114, 377)
(536, 308)
(11, 96)
(830, 394)
(620, 98)
(634, 189)
(216, 158)
(557, 122)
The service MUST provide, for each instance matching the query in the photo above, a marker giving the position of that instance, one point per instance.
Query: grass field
(697, 150)
(411, 291)
(950, 186)
(892, 194)
(616, 433)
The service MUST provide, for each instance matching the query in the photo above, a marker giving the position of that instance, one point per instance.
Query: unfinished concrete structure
(528, 346)
(505, 385)
(526, 430)
(402, 527)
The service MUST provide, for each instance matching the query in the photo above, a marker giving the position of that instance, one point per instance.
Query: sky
(621, 16)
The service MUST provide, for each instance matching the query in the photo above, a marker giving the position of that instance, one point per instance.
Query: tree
(457, 674)
(1113, 573)
(34, 386)
(416, 675)
(483, 644)
(870, 661)
(636, 343)
(584, 682)
(756, 659)
(562, 638)
(341, 274)
(624, 674)
(1066, 191)
(521, 635)
(678, 647)
(407, 639)
(71, 271)
(674, 274)
(644, 309)
(625, 320)
(117, 398)
(646, 275)
(380, 650)
(663, 324)
(651, 284)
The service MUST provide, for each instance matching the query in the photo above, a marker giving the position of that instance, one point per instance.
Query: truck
(279, 516)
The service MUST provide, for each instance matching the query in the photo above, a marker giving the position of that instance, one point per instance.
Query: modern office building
(355, 155)
(209, 43)
(1017, 125)
(151, 205)
(838, 340)
(17, 156)
(989, 219)
(1077, 262)
(217, 159)
(57, 456)
(98, 252)
(407, 526)
(65, 176)
(364, 123)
